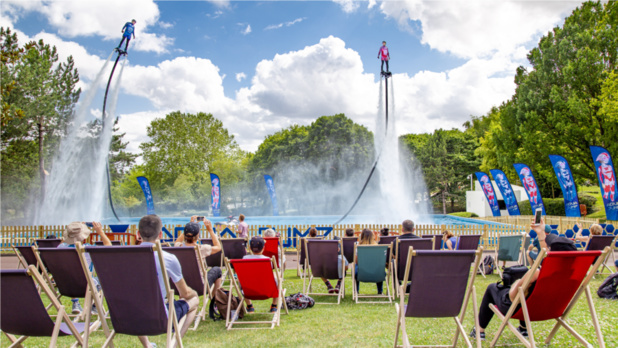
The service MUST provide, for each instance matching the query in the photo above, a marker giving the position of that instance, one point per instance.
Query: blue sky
(262, 66)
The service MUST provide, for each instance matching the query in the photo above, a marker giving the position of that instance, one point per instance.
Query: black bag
(218, 305)
(511, 274)
(299, 301)
(488, 265)
(609, 287)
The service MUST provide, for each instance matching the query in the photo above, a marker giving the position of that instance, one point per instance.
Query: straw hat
(76, 232)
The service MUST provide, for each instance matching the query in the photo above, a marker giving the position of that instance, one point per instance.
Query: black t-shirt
(408, 236)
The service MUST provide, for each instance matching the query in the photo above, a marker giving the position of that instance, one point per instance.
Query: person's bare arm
(184, 291)
(180, 239)
(216, 246)
(540, 232)
(98, 228)
(518, 283)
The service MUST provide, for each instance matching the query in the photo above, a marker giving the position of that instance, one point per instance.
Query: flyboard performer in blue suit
(127, 31)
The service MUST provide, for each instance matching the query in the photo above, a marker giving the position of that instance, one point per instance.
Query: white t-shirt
(174, 271)
(255, 257)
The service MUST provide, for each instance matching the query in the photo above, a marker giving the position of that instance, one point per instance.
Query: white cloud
(287, 24)
(214, 15)
(349, 6)
(247, 30)
(165, 25)
(240, 76)
(134, 126)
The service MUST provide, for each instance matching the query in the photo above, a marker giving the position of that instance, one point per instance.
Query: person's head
(383, 43)
(257, 245)
(447, 234)
(270, 233)
(149, 228)
(366, 237)
(349, 232)
(76, 232)
(51, 236)
(313, 232)
(241, 217)
(547, 229)
(560, 244)
(192, 232)
(596, 230)
(133, 21)
(384, 231)
(407, 226)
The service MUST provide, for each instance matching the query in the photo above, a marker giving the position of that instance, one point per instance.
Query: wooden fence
(563, 222)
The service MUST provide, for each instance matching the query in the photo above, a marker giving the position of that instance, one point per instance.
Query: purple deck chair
(48, 243)
(23, 313)
(65, 266)
(25, 255)
(437, 240)
(441, 287)
(134, 268)
(233, 248)
(401, 256)
(388, 240)
(114, 243)
(348, 248)
(599, 243)
(468, 241)
(194, 273)
(323, 262)
(212, 260)
(301, 254)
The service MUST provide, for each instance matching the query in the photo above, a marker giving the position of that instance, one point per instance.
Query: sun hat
(76, 232)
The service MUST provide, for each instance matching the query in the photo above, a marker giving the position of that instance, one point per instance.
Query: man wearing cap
(79, 232)
(150, 229)
(256, 244)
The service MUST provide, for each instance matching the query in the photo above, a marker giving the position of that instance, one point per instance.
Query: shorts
(213, 274)
(533, 254)
(181, 307)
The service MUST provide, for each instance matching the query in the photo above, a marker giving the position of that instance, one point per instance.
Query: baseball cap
(547, 228)
(192, 229)
(256, 244)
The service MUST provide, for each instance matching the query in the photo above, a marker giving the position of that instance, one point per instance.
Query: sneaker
(273, 309)
(523, 331)
(77, 308)
(250, 309)
(473, 334)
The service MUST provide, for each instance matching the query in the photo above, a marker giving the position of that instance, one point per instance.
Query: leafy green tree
(120, 161)
(10, 55)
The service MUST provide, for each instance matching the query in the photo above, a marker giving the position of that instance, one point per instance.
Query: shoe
(523, 331)
(273, 309)
(77, 308)
(337, 289)
(473, 334)
(250, 309)
(331, 290)
(94, 310)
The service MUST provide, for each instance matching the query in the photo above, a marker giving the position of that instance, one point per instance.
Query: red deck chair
(258, 279)
(561, 281)
(272, 248)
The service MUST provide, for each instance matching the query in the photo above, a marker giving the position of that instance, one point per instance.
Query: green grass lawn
(368, 325)
(599, 207)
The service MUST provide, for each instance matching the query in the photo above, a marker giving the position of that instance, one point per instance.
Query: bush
(464, 214)
(589, 201)
(555, 206)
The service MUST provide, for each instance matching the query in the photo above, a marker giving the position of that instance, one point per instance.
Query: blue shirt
(128, 29)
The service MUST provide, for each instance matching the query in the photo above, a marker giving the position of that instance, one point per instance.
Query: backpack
(299, 301)
(218, 305)
(511, 274)
(488, 265)
(609, 287)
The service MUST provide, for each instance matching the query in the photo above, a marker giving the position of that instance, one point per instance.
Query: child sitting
(257, 248)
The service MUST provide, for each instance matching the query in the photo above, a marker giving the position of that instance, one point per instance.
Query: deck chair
(322, 262)
(348, 248)
(599, 243)
(48, 243)
(561, 281)
(441, 288)
(257, 279)
(134, 268)
(25, 255)
(194, 273)
(114, 243)
(371, 270)
(273, 248)
(212, 260)
(437, 240)
(510, 248)
(22, 311)
(233, 248)
(388, 240)
(301, 254)
(401, 257)
(470, 242)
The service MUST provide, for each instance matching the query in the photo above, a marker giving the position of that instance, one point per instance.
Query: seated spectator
(150, 229)
(532, 254)
(270, 233)
(79, 232)
(51, 236)
(367, 238)
(503, 297)
(450, 241)
(349, 232)
(190, 237)
(313, 232)
(595, 230)
(407, 229)
(340, 260)
(384, 232)
(257, 248)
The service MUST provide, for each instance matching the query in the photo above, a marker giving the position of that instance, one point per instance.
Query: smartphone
(537, 216)
(200, 218)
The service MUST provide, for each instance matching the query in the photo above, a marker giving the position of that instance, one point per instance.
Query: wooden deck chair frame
(281, 265)
(604, 264)
(520, 300)
(301, 271)
(224, 269)
(469, 294)
(211, 288)
(61, 315)
(356, 296)
(230, 320)
(522, 251)
(39, 266)
(395, 270)
(173, 325)
(480, 268)
(307, 288)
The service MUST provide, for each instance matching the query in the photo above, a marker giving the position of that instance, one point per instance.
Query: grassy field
(368, 325)
(599, 207)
